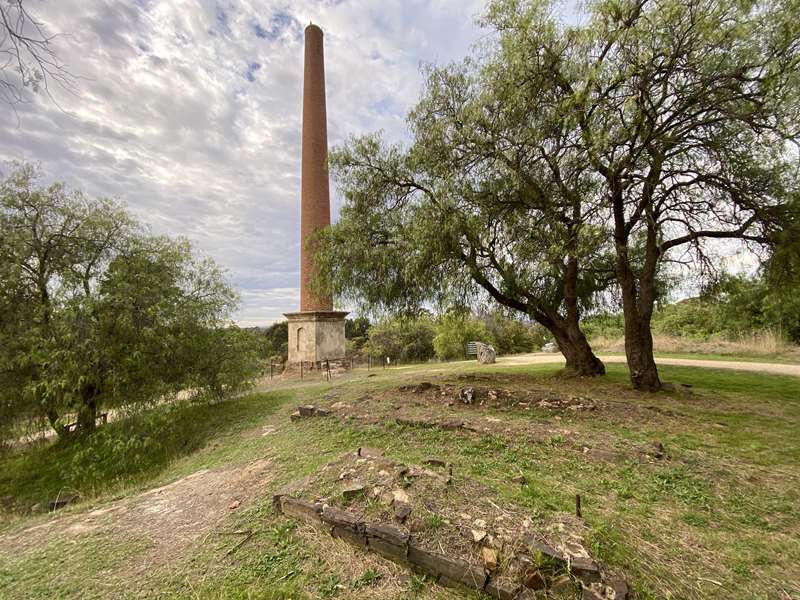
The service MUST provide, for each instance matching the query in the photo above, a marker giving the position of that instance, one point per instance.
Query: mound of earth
(448, 527)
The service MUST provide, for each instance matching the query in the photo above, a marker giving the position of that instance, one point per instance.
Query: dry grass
(763, 343)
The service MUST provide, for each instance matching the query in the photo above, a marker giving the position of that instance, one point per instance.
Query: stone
(234, 505)
(297, 508)
(339, 405)
(323, 412)
(295, 415)
(584, 569)
(619, 587)
(467, 395)
(341, 518)
(477, 535)
(563, 586)
(290, 488)
(486, 354)
(489, 559)
(501, 588)
(452, 569)
(434, 462)
(62, 501)
(590, 594)
(395, 552)
(452, 425)
(370, 452)
(306, 410)
(479, 524)
(534, 580)
(353, 490)
(401, 510)
(536, 546)
(348, 535)
(390, 533)
(401, 496)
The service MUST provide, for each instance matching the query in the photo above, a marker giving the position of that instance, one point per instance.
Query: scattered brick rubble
(415, 515)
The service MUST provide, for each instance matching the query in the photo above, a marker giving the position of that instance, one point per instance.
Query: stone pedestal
(315, 336)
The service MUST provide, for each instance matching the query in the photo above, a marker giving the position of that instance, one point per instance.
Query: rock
(295, 415)
(322, 412)
(467, 395)
(297, 508)
(434, 462)
(479, 524)
(341, 518)
(563, 586)
(501, 588)
(339, 406)
(489, 559)
(451, 570)
(386, 498)
(536, 546)
(534, 580)
(306, 410)
(619, 587)
(370, 452)
(486, 354)
(584, 569)
(590, 594)
(477, 535)
(452, 425)
(234, 505)
(353, 490)
(401, 510)
(62, 501)
(401, 496)
(389, 533)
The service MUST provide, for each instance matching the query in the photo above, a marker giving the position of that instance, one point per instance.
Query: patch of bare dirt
(171, 518)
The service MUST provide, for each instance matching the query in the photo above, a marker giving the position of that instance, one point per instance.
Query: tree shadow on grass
(131, 450)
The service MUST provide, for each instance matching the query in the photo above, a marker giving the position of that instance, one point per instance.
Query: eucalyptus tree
(472, 208)
(684, 113)
(97, 313)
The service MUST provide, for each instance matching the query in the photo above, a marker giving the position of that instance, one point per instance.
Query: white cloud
(189, 111)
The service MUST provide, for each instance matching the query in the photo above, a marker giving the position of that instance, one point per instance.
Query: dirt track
(776, 368)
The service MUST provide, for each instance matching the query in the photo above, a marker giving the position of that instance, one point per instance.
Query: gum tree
(96, 313)
(485, 203)
(682, 111)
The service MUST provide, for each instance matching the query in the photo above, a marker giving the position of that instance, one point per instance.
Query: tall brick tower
(316, 333)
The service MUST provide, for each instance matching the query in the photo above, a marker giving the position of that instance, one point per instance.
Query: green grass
(134, 452)
(722, 508)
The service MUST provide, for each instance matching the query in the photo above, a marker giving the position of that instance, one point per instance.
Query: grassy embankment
(718, 519)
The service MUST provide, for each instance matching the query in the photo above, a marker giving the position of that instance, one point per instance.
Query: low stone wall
(393, 543)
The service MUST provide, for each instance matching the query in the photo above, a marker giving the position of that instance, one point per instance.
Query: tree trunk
(639, 352)
(576, 349)
(638, 300)
(87, 415)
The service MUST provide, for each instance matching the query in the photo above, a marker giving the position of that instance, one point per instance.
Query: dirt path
(168, 520)
(757, 367)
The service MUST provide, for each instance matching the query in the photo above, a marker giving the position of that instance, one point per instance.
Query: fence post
(301, 369)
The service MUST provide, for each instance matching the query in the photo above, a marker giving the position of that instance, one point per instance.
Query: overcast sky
(189, 112)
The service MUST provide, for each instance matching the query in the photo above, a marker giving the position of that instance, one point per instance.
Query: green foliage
(604, 324)
(276, 341)
(98, 314)
(454, 330)
(405, 339)
(512, 336)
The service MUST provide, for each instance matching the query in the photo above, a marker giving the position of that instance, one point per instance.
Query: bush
(406, 339)
(453, 331)
(512, 336)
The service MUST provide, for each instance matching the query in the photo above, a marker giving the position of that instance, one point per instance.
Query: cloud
(189, 111)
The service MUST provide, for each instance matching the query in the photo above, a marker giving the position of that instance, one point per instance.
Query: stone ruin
(447, 527)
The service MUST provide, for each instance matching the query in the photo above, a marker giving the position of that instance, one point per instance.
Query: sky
(189, 111)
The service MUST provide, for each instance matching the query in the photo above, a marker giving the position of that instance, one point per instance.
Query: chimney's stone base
(316, 336)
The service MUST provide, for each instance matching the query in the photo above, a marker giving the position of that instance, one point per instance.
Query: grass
(763, 346)
(717, 519)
